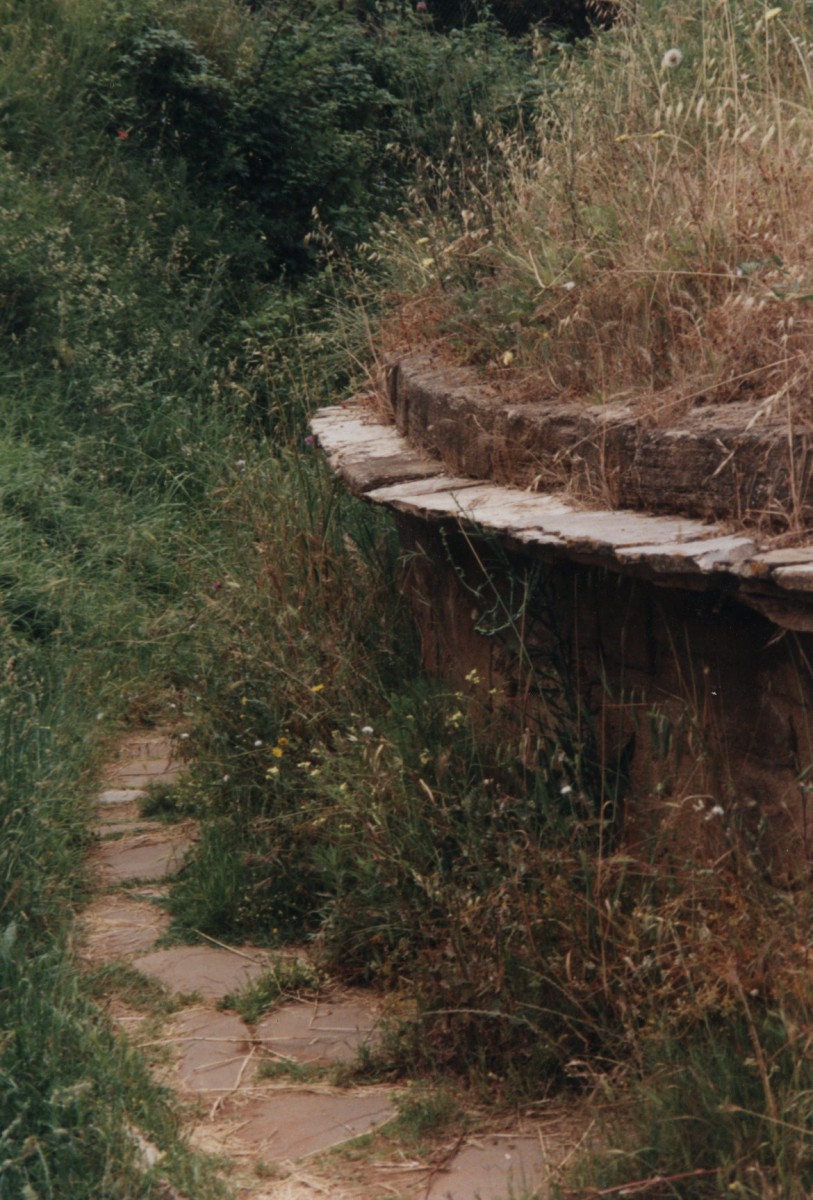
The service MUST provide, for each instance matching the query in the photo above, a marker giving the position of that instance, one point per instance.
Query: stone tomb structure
(602, 580)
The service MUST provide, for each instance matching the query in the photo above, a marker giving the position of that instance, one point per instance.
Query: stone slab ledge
(715, 462)
(379, 464)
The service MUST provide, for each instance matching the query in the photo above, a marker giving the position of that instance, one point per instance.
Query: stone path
(260, 1096)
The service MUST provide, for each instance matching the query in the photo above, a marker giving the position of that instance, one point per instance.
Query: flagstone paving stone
(109, 830)
(144, 773)
(214, 1049)
(319, 1032)
(142, 857)
(211, 972)
(289, 1124)
(119, 796)
(492, 1167)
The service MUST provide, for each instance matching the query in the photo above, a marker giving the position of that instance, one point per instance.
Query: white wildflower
(671, 59)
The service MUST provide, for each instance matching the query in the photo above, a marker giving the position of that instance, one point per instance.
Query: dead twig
(225, 946)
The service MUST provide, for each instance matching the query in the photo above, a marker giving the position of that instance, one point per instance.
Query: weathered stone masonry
(689, 647)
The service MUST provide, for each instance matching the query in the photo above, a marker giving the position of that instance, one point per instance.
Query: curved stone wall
(674, 655)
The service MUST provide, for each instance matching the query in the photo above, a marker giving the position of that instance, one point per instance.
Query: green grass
(285, 979)
(157, 371)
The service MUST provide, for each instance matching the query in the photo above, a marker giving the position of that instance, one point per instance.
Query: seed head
(671, 59)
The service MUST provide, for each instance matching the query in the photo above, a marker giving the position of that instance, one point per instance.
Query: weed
(285, 979)
(137, 990)
(293, 1071)
(173, 802)
(425, 1112)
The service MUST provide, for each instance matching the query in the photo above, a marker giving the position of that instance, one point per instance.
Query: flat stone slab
(145, 857)
(371, 453)
(119, 796)
(286, 1125)
(493, 1168)
(700, 556)
(205, 969)
(215, 1050)
(116, 926)
(117, 829)
(144, 744)
(144, 772)
(318, 1032)
(797, 579)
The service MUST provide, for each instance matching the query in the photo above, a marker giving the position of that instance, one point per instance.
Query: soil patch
(118, 926)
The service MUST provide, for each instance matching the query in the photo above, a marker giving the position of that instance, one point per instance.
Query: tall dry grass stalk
(653, 242)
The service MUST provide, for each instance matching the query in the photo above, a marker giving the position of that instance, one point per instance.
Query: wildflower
(566, 790)
(367, 729)
(240, 464)
(283, 741)
(277, 752)
(184, 737)
(671, 59)
(258, 743)
(569, 286)
(472, 676)
(310, 440)
(216, 585)
(123, 134)
(272, 772)
(508, 358)
(226, 778)
(421, 6)
(318, 687)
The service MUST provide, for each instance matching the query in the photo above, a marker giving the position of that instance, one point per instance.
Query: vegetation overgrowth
(651, 245)
(192, 259)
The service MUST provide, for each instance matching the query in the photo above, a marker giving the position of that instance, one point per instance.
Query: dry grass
(652, 244)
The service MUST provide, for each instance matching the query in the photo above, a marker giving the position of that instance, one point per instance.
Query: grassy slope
(154, 372)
